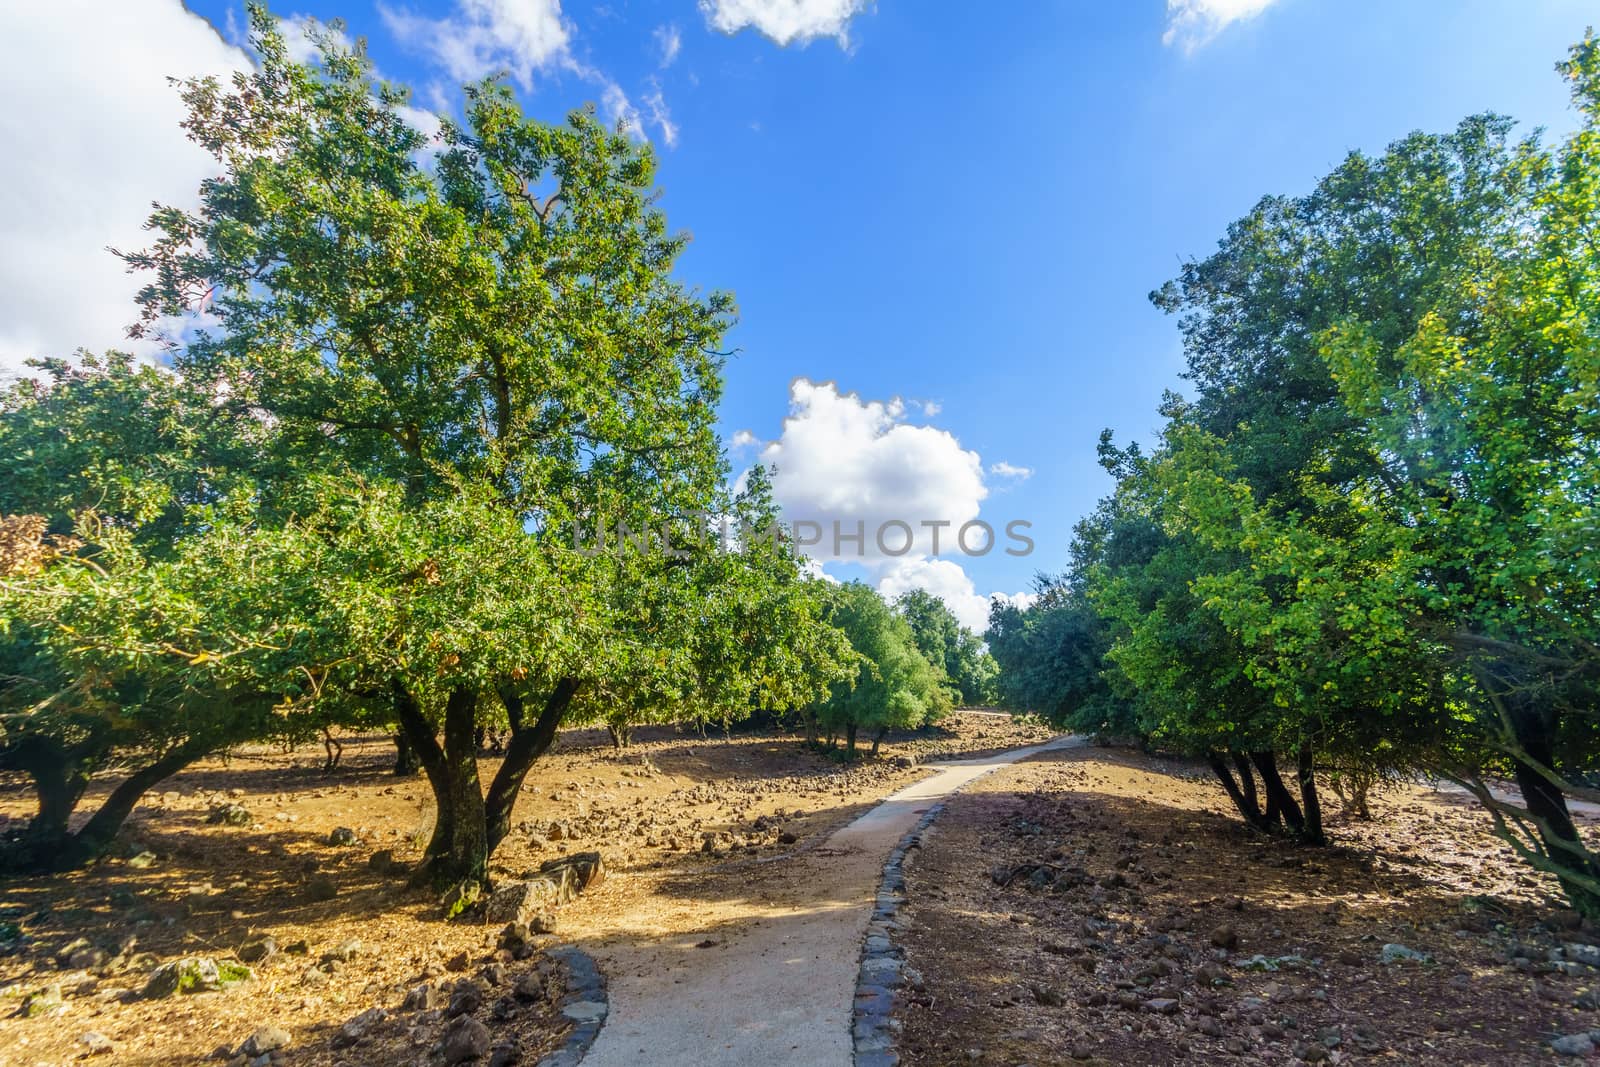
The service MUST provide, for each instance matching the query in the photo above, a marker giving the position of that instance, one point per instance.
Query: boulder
(193, 974)
(341, 837)
(519, 902)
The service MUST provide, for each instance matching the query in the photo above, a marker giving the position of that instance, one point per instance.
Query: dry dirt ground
(1143, 924)
(211, 888)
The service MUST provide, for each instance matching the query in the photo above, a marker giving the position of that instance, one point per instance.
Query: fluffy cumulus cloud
(1192, 23)
(87, 157)
(860, 485)
(483, 37)
(785, 21)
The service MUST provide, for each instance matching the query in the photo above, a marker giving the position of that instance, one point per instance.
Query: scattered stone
(266, 1039)
(1225, 937)
(258, 949)
(459, 962)
(229, 815)
(466, 997)
(423, 997)
(1162, 1006)
(141, 860)
(321, 888)
(382, 862)
(193, 974)
(343, 952)
(341, 837)
(1573, 1045)
(464, 1039)
(1397, 953)
(95, 1043)
(46, 1001)
(355, 1030)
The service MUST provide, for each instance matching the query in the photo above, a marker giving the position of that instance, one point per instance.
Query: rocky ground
(1102, 906)
(277, 892)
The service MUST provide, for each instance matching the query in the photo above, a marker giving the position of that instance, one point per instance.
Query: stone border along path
(774, 981)
(584, 1003)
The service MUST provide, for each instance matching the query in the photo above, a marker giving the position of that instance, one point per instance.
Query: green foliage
(959, 653)
(1369, 539)
(893, 686)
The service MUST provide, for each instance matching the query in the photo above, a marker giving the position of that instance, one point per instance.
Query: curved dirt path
(768, 974)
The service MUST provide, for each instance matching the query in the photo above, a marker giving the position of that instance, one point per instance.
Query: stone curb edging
(585, 1003)
(874, 1031)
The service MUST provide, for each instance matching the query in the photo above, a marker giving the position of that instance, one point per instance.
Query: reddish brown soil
(212, 887)
(1027, 975)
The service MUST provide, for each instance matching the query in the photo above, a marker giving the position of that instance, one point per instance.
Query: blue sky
(957, 204)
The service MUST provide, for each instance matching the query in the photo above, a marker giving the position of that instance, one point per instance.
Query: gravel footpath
(773, 980)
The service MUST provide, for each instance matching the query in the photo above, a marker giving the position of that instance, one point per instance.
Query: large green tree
(464, 347)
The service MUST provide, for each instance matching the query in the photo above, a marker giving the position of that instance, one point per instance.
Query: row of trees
(408, 369)
(1367, 544)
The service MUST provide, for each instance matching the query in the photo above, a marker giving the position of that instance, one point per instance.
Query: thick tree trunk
(877, 739)
(419, 734)
(467, 856)
(1281, 804)
(58, 781)
(1305, 767)
(809, 720)
(405, 757)
(850, 739)
(528, 743)
(48, 846)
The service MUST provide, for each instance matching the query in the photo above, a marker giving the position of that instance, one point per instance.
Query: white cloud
(656, 109)
(1193, 23)
(87, 158)
(785, 21)
(845, 466)
(298, 37)
(1010, 470)
(670, 41)
(484, 37)
(618, 110)
(743, 439)
(946, 580)
(930, 408)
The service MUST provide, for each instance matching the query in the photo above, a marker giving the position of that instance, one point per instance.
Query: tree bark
(1281, 804)
(1311, 833)
(850, 739)
(877, 739)
(405, 757)
(96, 834)
(1242, 791)
(467, 857)
(425, 745)
(48, 846)
(1247, 782)
(1534, 730)
(528, 743)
